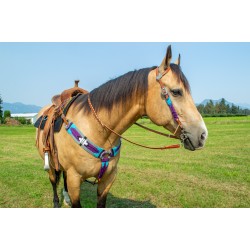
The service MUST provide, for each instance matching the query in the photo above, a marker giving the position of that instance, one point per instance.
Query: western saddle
(60, 103)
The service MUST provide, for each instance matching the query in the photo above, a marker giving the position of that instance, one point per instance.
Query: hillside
(19, 107)
(241, 105)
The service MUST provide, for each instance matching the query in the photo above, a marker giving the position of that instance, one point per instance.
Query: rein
(156, 132)
(106, 155)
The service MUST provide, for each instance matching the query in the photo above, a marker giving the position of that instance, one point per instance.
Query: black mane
(121, 89)
(179, 74)
(117, 91)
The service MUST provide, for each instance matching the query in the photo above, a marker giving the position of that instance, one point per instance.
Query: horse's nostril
(203, 136)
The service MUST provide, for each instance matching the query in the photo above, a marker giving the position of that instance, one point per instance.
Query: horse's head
(169, 101)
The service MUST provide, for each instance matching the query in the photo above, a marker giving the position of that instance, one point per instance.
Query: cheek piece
(183, 136)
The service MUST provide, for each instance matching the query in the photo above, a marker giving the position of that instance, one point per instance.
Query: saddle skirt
(51, 120)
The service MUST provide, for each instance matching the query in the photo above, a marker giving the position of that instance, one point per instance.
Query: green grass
(217, 176)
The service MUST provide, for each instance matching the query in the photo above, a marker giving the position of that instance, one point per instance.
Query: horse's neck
(119, 119)
(123, 119)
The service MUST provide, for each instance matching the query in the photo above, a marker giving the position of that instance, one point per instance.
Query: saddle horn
(76, 83)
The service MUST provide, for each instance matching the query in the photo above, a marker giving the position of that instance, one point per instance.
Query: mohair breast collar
(91, 148)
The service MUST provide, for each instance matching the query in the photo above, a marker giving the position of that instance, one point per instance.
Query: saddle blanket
(59, 121)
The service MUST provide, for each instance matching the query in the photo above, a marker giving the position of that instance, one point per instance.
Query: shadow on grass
(115, 202)
(89, 198)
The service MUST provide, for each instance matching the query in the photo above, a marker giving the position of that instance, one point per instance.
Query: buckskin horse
(89, 144)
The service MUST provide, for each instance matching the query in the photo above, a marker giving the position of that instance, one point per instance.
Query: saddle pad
(59, 121)
(57, 125)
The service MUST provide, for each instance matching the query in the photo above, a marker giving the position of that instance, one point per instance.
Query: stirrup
(46, 161)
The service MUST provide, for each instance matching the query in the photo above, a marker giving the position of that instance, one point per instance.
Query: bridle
(167, 97)
(183, 135)
(124, 138)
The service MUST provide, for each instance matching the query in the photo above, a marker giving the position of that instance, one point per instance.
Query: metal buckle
(183, 136)
(67, 126)
(106, 155)
(164, 91)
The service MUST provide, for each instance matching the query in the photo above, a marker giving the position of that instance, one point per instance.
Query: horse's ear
(178, 61)
(167, 59)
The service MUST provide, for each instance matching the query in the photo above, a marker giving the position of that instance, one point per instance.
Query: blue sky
(33, 72)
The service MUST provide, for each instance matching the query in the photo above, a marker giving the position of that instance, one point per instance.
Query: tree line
(221, 109)
(1, 109)
(6, 115)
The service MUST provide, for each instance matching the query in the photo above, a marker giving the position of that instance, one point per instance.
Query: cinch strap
(91, 148)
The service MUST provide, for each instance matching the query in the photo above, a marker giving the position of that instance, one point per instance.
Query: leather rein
(174, 113)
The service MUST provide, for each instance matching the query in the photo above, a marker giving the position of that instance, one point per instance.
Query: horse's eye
(176, 92)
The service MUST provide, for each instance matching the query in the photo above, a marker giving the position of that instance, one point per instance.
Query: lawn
(217, 176)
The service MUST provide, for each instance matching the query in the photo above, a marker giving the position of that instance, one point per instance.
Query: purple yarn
(174, 113)
(105, 159)
(103, 169)
(92, 148)
(75, 133)
(103, 155)
(170, 105)
(78, 136)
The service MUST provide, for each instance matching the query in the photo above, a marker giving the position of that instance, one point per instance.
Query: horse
(160, 93)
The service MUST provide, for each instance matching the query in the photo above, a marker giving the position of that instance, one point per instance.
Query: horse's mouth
(188, 144)
(186, 141)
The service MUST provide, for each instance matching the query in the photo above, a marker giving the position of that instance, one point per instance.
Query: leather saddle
(52, 118)
(57, 100)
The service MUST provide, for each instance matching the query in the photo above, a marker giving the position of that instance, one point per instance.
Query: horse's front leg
(104, 187)
(74, 187)
(54, 177)
(66, 197)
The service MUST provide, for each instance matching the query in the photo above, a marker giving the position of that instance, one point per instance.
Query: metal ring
(106, 152)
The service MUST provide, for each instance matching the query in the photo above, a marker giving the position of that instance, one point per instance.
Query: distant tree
(221, 109)
(6, 114)
(217, 108)
(234, 109)
(246, 112)
(200, 108)
(209, 108)
(1, 109)
(22, 120)
(228, 109)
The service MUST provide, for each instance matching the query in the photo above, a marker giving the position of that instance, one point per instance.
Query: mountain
(19, 107)
(241, 105)
(216, 101)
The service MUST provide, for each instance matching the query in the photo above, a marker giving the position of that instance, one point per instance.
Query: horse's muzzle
(189, 144)
(186, 141)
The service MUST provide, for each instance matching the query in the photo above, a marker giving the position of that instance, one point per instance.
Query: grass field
(218, 176)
